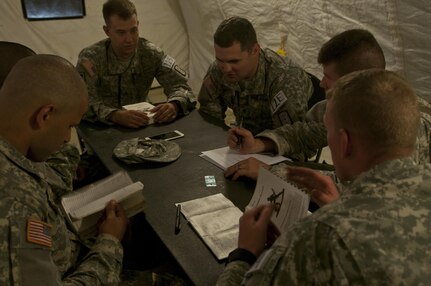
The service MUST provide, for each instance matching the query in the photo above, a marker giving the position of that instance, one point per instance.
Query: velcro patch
(179, 70)
(88, 66)
(277, 101)
(168, 62)
(39, 232)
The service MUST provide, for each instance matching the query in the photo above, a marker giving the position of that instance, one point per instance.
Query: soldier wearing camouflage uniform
(44, 96)
(346, 52)
(379, 231)
(264, 90)
(120, 70)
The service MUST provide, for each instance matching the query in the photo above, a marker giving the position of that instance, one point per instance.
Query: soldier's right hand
(129, 118)
(115, 220)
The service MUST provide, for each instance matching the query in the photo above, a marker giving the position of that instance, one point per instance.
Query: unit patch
(277, 101)
(168, 62)
(39, 232)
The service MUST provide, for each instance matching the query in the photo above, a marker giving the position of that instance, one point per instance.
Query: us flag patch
(39, 232)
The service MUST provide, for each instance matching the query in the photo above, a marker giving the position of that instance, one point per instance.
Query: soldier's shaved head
(41, 99)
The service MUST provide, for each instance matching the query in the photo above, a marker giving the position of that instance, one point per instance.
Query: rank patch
(39, 232)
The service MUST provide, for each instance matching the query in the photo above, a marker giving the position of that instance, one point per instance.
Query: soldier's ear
(106, 30)
(256, 49)
(41, 116)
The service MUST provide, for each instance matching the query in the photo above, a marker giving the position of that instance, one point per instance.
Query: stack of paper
(226, 157)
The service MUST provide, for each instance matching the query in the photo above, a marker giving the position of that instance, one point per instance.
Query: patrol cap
(138, 150)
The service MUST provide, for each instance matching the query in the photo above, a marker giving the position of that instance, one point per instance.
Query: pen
(178, 219)
(239, 142)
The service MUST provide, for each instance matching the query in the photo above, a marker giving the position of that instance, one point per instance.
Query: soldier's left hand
(247, 168)
(164, 112)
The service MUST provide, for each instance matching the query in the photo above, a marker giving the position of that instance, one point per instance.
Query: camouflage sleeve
(64, 163)
(302, 139)
(27, 254)
(209, 98)
(173, 79)
(101, 266)
(87, 68)
(233, 273)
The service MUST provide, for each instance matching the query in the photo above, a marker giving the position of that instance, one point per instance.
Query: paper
(144, 107)
(291, 204)
(216, 219)
(226, 157)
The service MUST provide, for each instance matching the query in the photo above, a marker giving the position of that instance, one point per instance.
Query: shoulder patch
(168, 62)
(277, 101)
(39, 232)
(180, 70)
(88, 66)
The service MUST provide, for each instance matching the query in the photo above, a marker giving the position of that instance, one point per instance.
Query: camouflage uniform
(377, 233)
(29, 193)
(112, 82)
(308, 135)
(277, 95)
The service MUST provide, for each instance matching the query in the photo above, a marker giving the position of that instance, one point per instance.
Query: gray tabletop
(168, 183)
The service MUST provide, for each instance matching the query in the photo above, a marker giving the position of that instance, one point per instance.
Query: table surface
(168, 183)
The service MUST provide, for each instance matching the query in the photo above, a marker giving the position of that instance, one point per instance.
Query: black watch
(242, 255)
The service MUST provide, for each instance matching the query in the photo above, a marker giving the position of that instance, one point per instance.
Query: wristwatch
(242, 255)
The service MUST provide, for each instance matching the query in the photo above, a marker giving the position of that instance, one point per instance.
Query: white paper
(216, 220)
(291, 204)
(226, 157)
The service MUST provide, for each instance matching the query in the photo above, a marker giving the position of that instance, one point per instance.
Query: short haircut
(235, 29)
(379, 106)
(352, 50)
(123, 8)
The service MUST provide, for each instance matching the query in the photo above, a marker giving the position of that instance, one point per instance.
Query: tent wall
(184, 29)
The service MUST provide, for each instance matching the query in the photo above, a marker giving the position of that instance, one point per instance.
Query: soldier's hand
(253, 229)
(165, 112)
(247, 168)
(242, 140)
(129, 118)
(321, 188)
(115, 220)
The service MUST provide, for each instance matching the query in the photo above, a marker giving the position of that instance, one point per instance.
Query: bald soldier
(120, 70)
(41, 99)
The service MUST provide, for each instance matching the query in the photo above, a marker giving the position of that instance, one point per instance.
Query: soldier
(120, 70)
(378, 232)
(346, 52)
(264, 90)
(40, 100)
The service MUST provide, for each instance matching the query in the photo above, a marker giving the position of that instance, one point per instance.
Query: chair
(10, 54)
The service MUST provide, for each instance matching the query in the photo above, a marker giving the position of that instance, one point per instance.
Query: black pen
(178, 219)
(239, 142)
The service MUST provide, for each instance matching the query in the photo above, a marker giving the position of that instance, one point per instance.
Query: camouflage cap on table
(138, 150)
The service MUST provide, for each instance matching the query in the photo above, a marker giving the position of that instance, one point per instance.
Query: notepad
(84, 207)
(226, 157)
